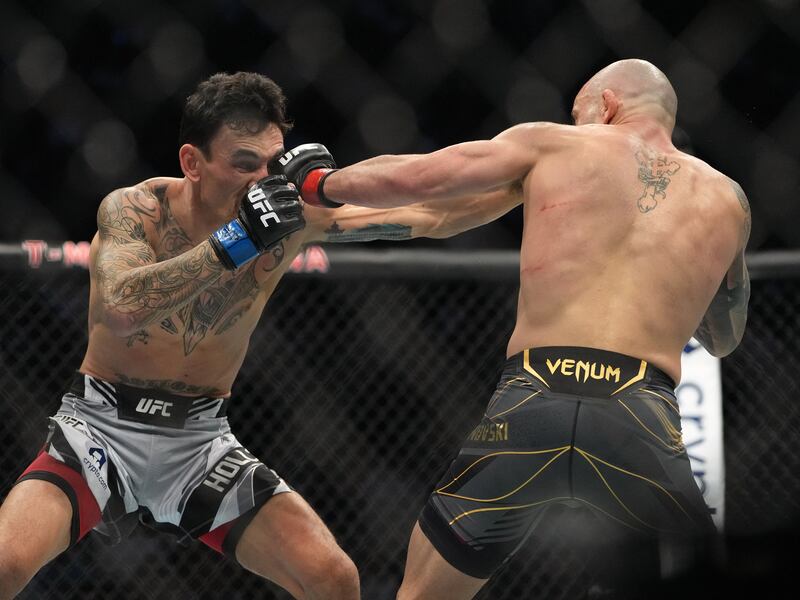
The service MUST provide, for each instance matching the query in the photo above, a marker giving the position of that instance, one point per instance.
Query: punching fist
(269, 212)
(306, 167)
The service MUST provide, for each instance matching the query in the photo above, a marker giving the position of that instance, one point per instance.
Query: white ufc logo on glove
(284, 160)
(258, 200)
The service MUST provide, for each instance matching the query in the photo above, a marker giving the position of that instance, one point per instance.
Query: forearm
(135, 298)
(378, 182)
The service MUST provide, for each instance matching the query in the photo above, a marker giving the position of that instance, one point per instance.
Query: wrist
(312, 191)
(232, 245)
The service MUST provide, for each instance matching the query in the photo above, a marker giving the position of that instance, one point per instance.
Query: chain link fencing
(358, 390)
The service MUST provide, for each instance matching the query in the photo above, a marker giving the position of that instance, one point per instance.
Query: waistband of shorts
(153, 406)
(587, 371)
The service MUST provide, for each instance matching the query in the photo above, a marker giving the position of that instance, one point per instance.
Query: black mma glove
(306, 167)
(269, 212)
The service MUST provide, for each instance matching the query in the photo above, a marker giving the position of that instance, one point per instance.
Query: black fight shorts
(576, 427)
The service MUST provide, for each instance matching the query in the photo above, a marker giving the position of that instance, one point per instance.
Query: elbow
(723, 349)
(720, 352)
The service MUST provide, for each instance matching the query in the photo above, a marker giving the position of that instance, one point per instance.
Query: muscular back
(625, 244)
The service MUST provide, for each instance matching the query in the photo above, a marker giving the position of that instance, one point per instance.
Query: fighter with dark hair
(181, 270)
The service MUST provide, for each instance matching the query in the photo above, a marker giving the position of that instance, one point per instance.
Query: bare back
(624, 245)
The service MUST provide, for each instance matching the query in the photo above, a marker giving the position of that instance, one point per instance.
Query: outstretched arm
(459, 170)
(462, 170)
(434, 219)
(722, 327)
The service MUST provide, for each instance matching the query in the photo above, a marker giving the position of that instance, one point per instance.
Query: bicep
(475, 167)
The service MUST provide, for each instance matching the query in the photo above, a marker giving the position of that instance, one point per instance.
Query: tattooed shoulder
(123, 214)
(740, 195)
(743, 202)
(171, 239)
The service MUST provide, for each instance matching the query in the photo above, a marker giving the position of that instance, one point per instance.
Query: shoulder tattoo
(742, 198)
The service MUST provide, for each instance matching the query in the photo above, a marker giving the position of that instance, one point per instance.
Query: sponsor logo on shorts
(490, 432)
(584, 370)
(94, 464)
(99, 456)
(71, 421)
(151, 406)
(227, 469)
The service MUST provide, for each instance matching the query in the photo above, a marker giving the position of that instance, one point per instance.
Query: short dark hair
(239, 100)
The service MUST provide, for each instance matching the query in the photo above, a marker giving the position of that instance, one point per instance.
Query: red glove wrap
(311, 191)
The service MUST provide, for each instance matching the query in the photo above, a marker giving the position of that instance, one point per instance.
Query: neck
(200, 217)
(646, 126)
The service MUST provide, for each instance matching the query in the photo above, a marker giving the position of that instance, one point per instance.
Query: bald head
(640, 87)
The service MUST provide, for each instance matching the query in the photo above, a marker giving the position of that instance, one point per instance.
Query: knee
(334, 579)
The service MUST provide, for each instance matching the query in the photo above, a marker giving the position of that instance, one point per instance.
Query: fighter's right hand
(269, 212)
(307, 166)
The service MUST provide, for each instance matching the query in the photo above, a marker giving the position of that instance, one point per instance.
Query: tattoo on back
(740, 195)
(654, 171)
(373, 231)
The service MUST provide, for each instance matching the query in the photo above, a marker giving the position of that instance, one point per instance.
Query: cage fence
(359, 386)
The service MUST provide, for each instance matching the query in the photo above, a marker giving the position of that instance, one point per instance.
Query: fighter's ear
(189, 157)
(611, 104)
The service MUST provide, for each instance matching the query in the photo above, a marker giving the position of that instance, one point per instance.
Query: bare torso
(199, 349)
(625, 242)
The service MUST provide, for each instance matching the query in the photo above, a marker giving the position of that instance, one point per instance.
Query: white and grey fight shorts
(117, 450)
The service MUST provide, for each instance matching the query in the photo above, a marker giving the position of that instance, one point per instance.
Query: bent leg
(286, 542)
(35, 526)
(428, 576)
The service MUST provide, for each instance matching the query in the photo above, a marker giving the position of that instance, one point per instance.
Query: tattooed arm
(136, 291)
(434, 219)
(722, 327)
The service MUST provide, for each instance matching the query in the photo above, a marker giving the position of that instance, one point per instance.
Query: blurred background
(386, 369)
(92, 90)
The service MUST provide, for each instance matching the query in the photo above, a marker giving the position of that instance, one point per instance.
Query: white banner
(700, 399)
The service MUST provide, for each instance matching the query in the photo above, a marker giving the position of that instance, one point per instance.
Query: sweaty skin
(628, 244)
(164, 312)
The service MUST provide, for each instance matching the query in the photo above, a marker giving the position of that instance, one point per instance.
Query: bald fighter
(629, 248)
(181, 270)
